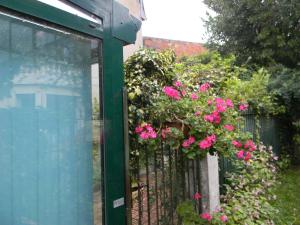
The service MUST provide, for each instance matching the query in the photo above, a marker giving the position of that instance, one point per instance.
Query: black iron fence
(160, 180)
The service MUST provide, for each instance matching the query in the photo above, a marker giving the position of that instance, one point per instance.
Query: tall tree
(260, 31)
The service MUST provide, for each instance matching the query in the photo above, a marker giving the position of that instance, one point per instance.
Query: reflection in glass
(50, 126)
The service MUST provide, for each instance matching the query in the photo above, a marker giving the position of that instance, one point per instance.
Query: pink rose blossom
(209, 118)
(204, 87)
(152, 134)
(248, 156)
(172, 93)
(197, 113)
(217, 117)
(194, 96)
(250, 145)
(146, 131)
(229, 127)
(206, 216)
(191, 139)
(144, 135)
(240, 154)
(139, 129)
(221, 108)
(221, 105)
(178, 84)
(237, 144)
(212, 138)
(183, 92)
(207, 142)
(209, 102)
(213, 118)
(224, 218)
(187, 143)
(197, 196)
(204, 144)
(229, 103)
(243, 107)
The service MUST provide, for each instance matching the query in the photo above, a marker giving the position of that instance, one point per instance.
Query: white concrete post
(210, 184)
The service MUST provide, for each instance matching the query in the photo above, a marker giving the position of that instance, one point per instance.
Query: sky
(175, 19)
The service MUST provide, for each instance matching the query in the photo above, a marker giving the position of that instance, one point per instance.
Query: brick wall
(181, 48)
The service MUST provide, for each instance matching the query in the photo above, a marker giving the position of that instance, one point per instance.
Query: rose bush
(248, 195)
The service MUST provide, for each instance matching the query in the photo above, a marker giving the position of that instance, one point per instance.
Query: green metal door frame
(118, 29)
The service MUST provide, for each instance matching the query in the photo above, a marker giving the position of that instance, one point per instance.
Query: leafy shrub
(248, 194)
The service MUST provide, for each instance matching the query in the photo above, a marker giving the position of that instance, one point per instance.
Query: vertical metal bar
(171, 185)
(198, 182)
(183, 169)
(188, 178)
(163, 179)
(156, 188)
(148, 185)
(127, 166)
(194, 179)
(140, 207)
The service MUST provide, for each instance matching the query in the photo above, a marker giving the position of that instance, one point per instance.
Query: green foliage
(207, 67)
(146, 72)
(188, 114)
(288, 198)
(285, 85)
(255, 91)
(261, 32)
(248, 193)
(236, 82)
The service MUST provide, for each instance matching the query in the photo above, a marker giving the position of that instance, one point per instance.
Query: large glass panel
(50, 125)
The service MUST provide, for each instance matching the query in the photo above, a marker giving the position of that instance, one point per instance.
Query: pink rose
(237, 144)
(207, 142)
(178, 84)
(229, 103)
(197, 196)
(240, 154)
(243, 107)
(186, 144)
(204, 87)
(144, 135)
(248, 156)
(250, 145)
(209, 118)
(229, 127)
(194, 96)
(172, 93)
(197, 113)
(204, 144)
(139, 129)
(191, 139)
(224, 218)
(206, 216)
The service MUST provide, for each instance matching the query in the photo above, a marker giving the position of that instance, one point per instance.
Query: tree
(257, 31)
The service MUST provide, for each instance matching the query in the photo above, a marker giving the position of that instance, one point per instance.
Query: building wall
(181, 48)
(135, 10)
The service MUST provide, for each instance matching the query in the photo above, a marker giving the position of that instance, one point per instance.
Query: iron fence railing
(161, 180)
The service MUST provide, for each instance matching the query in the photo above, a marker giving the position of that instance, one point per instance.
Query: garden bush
(248, 197)
(196, 108)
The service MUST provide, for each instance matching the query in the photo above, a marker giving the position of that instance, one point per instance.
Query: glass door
(50, 125)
